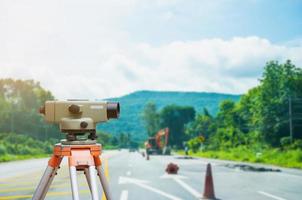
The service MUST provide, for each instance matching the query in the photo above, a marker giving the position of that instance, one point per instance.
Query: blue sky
(112, 48)
(279, 21)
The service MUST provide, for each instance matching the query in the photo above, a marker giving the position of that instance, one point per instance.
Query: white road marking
(123, 180)
(177, 179)
(128, 173)
(270, 195)
(124, 195)
(188, 188)
(143, 184)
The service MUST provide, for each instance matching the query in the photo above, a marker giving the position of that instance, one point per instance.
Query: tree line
(267, 115)
(19, 104)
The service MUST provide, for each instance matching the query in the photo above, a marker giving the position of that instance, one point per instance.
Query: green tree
(151, 118)
(104, 138)
(114, 141)
(261, 117)
(175, 117)
(19, 102)
(278, 83)
(203, 125)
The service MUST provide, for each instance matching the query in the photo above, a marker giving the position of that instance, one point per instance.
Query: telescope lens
(113, 110)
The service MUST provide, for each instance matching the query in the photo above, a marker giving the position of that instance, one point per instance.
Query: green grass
(9, 157)
(287, 158)
(13, 157)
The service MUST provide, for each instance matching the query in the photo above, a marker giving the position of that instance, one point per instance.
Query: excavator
(158, 143)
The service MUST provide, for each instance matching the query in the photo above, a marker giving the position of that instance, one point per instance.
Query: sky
(96, 49)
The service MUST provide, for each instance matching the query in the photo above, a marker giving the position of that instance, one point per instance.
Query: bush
(2, 150)
(297, 144)
(14, 146)
(195, 143)
(24, 150)
(285, 142)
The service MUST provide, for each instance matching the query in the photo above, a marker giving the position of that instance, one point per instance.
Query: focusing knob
(84, 124)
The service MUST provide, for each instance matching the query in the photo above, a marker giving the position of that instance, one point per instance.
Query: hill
(132, 106)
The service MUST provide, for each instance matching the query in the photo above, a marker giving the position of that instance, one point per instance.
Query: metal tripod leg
(47, 178)
(74, 183)
(44, 183)
(94, 189)
(87, 175)
(104, 182)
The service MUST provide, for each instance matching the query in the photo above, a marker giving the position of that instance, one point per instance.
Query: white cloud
(82, 50)
(211, 64)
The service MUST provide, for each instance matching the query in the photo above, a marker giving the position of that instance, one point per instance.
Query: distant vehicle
(159, 143)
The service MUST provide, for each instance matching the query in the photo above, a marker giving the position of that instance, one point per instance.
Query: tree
(114, 141)
(279, 82)
(104, 138)
(175, 117)
(203, 125)
(19, 102)
(261, 117)
(151, 118)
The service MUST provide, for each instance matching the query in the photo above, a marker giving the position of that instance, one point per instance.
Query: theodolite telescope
(77, 117)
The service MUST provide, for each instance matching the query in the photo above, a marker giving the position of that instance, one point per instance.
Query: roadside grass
(20, 147)
(9, 157)
(14, 157)
(282, 158)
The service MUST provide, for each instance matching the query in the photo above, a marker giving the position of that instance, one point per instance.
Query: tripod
(81, 157)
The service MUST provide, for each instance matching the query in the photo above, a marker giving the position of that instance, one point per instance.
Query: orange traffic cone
(209, 185)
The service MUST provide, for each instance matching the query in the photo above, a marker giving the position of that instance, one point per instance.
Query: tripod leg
(94, 189)
(49, 182)
(74, 182)
(104, 182)
(87, 175)
(47, 178)
(40, 191)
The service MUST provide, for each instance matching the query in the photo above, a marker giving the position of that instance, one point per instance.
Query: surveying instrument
(76, 119)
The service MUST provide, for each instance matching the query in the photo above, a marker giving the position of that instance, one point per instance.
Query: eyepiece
(113, 110)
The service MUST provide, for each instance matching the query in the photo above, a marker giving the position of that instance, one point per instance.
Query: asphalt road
(132, 177)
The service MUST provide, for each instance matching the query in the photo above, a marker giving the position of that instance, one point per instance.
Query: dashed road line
(143, 184)
(124, 195)
(270, 195)
(128, 173)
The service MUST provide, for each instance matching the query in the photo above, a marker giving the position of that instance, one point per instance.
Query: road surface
(132, 177)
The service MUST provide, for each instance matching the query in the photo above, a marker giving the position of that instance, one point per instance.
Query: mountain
(133, 104)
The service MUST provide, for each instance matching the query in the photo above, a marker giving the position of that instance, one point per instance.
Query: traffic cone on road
(209, 185)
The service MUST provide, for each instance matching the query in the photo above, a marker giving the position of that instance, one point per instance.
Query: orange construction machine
(159, 143)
